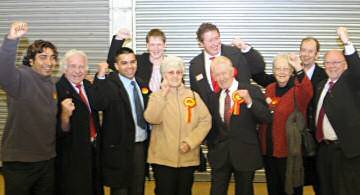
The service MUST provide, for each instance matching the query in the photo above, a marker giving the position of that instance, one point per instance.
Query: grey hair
(69, 54)
(171, 61)
(282, 56)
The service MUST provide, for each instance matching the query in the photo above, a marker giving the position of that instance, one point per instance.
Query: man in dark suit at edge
(338, 121)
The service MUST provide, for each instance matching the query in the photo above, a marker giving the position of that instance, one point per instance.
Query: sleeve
(255, 61)
(259, 107)
(353, 62)
(9, 76)
(101, 94)
(193, 84)
(114, 47)
(154, 111)
(304, 93)
(263, 79)
(203, 125)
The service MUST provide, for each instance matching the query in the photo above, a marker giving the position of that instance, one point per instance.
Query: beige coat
(167, 114)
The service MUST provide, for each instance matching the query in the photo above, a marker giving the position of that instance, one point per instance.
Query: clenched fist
(342, 32)
(67, 107)
(103, 69)
(123, 34)
(18, 29)
(295, 62)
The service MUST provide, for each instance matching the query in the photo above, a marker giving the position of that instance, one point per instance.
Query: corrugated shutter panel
(271, 26)
(80, 24)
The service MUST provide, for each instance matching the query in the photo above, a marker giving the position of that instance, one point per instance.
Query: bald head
(222, 71)
(335, 64)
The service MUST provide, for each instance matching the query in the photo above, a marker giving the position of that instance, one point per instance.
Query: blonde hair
(172, 61)
(70, 53)
(221, 60)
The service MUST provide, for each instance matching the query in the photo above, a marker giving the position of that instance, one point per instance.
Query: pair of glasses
(173, 72)
(333, 63)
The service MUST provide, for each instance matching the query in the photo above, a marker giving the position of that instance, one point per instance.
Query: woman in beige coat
(180, 122)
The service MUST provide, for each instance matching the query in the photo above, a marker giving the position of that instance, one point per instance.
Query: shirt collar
(234, 86)
(126, 81)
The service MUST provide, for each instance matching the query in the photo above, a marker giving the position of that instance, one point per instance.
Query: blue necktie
(138, 107)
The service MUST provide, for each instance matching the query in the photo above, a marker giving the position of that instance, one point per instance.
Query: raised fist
(239, 43)
(67, 107)
(103, 69)
(18, 29)
(244, 93)
(294, 61)
(342, 32)
(123, 34)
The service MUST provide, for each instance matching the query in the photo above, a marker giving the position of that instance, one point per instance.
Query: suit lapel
(202, 71)
(318, 91)
(123, 93)
(69, 89)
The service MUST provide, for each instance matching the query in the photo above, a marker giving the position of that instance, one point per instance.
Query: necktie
(138, 107)
(227, 105)
(320, 131)
(213, 82)
(92, 123)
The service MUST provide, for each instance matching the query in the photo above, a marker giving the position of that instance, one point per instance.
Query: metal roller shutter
(271, 26)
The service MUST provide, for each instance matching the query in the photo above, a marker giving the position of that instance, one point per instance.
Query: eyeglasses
(282, 69)
(333, 63)
(173, 72)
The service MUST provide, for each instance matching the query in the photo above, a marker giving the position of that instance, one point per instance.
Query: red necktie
(213, 81)
(227, 106)
(320, 131)
(92, 123)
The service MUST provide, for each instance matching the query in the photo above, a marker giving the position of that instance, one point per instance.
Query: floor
(199, 188)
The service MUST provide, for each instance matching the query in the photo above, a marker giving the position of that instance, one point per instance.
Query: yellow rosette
(54, 95)
(275, 101)
(144, 90)
(238, 100)
(190, 103)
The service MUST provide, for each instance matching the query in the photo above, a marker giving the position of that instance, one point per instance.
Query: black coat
(118, 129)
(75, 154)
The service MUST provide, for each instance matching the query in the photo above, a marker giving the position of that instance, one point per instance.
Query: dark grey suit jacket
(240, 139)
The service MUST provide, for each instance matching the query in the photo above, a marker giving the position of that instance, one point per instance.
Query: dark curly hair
(205, 27)
(36, 47)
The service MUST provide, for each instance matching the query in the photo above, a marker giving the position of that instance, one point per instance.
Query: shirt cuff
(248, 105)
(118, 38)
(349, 48)
(247, 49)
